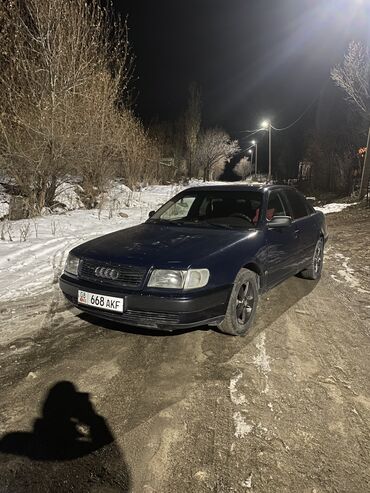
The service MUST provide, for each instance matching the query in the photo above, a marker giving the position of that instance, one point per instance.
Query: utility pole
(269, 175)
(366, 170)
(267, 126)
(251, 155)
(255, 158)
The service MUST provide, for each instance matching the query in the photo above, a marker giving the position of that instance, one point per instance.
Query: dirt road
(285, 409)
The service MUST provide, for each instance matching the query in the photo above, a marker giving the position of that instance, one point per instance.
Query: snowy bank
(330, 208)
(33, 251)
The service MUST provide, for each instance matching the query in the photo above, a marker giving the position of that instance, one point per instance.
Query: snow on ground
(4, 202)
(262, 360)
(330, 208)
(31, 266)
(346, 274)
(242, 428)
(235, 396)
(33, 252)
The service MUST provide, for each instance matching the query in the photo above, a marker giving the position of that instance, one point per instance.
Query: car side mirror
(151, 213)
(279, 222)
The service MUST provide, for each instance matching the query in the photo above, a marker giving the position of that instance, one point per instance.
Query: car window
(226, 205)
(298, 204)
(235, 209)
(275, 206)
(179, 209)
(285, 203)
(310, 208)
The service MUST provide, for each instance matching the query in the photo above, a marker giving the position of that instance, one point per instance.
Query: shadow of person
(74, 437)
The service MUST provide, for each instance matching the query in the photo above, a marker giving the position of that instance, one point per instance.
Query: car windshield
(214, 208)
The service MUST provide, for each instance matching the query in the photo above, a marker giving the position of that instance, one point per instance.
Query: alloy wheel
(317, 257)
(244, 303)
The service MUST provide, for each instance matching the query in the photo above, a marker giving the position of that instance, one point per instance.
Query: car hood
(161, 246)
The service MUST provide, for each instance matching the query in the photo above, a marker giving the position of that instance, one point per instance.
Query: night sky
(253, 59)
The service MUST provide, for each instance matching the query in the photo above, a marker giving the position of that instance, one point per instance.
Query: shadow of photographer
(71, 435)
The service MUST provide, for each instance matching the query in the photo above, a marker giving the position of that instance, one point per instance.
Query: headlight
(71, 266)
(178, 279)
(196, 278)
(174, 279)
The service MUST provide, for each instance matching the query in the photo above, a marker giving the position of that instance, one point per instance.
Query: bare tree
(331, 155)
(192, 125)
(353, 76)
(169, 138)
(95, 138)
(65, 66)
(214, 150)
(139, 155)
(243, 168)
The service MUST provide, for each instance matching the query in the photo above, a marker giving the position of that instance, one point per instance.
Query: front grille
(128, 275)
(149, 318)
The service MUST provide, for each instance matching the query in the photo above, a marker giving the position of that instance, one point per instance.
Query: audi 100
(203, 258)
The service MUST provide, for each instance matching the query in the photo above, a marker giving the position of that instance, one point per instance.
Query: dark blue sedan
(203, 258)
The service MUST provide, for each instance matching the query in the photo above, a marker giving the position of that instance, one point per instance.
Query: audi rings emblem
(107, 273)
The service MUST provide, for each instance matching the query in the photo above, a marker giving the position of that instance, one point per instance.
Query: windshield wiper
(219, 225)
(165, 221)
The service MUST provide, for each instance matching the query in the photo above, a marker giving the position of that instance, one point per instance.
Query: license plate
(101, 301)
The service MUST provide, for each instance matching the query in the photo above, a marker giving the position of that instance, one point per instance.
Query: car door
(282, 243)
(304, 226)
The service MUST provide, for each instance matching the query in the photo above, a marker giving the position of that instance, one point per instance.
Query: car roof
(263, 187)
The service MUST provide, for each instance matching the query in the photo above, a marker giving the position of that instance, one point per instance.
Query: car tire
(242, 305)
(313, 271)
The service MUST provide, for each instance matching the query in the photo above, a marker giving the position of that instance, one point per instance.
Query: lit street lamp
(266, 125)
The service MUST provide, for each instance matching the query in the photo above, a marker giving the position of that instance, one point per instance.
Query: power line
(244, 149)
(252, 132)
(249, 131)
(299, 118)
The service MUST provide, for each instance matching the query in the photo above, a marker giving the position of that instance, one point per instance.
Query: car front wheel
(242, 305)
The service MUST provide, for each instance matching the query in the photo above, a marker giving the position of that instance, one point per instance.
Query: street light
(266, 125)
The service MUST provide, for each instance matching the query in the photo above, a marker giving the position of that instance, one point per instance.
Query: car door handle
(296, 233)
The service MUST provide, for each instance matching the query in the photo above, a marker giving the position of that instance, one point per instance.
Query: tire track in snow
(36, 278)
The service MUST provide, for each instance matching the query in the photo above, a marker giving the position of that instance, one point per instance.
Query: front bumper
(167, 312)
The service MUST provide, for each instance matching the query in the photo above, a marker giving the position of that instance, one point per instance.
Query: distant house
(305, 170)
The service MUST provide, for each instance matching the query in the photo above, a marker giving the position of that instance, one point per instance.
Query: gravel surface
(285, 409)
